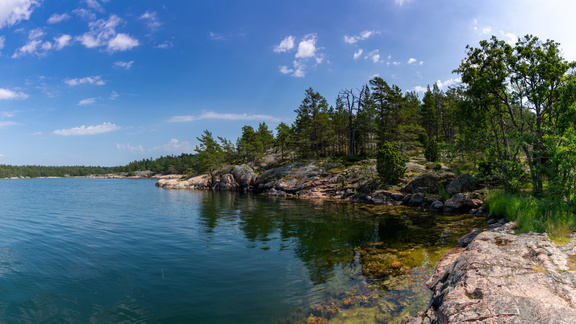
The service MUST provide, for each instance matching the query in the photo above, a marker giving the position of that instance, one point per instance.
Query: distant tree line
(36, 171)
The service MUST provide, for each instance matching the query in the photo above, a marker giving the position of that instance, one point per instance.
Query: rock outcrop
(429, 182)
(462, 183)
(504, 278)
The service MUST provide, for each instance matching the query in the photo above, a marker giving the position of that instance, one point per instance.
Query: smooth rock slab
(503, 278)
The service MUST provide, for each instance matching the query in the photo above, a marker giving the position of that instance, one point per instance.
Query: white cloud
(175, 146)
(420, 89)
(57, 18)
(165, 45)
(94, 4)
(114, 95)
(14, 11)
(217, 37)
(307, 47)
(90, 130)
(358, 53)
(128, 147)
(123, 65)
(96, 80)
(35, 33)
(214, 115)
(412, 61)
(103, 33)
(6, 94)
(285, 45)
(363, 35)
(285, 70)
(2, 41)
(509, 37)
(62, 41)
(151, 20)
(4, 123)
(122, 42)
(300, 69)
(30, 48)
(448, 83)
(87, 101)
(374, 56)
(401, 2)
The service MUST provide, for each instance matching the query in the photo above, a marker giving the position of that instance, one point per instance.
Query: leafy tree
(518, 88)
(389, 163)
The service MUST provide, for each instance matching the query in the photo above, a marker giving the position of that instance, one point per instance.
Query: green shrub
(390, 164)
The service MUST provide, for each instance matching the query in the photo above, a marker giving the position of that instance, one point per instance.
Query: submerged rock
(503, 278)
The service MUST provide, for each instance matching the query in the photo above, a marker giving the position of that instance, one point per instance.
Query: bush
(390, 164)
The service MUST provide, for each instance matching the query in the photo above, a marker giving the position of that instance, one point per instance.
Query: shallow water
(118, 250)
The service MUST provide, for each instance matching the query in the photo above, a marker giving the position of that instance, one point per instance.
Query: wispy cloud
(7, 94)
(123, 65)
(87, 130)
(151, 20)
(357, 54)
(96, 80)
(214, 115)
(363, 35)
(58, 18)
(87, 101)
(174, 146)
(215, 36)
(374, 56)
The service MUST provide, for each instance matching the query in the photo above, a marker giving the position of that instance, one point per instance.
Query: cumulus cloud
(62, 41)
(14, 11)
(96, 80)
(87, 101)
(358, 53)
(103, 34)
(214, 115)
(307, 47)
(442, 85)
(87, 130)
(285, 45)
(122, 42)
(58, 18)
(307, 50)
(6, 94)
(123, 65)
(363, 35)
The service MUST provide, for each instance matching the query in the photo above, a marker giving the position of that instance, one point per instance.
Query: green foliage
(390, 164)
(36, 171)
(431, 151)
(210, 154)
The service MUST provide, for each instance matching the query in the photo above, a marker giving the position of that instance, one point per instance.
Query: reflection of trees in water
(322, 234)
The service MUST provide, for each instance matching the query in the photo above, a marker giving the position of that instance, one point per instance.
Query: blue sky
(106, 82)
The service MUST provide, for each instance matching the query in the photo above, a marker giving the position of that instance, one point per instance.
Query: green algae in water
(392, 269)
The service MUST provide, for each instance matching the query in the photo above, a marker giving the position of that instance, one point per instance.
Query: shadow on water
(371, 261)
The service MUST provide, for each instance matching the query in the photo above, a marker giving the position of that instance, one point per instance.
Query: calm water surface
(100, 250)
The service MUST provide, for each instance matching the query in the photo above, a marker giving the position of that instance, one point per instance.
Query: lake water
(101, 250)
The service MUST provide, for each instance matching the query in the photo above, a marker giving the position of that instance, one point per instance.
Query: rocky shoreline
(495, 276)
(355, 184)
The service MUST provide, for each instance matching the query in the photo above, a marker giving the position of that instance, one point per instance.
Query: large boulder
(504, 278)
(227, 182)
(429, 182)
(463, 202)
(462, 183)
(244, 175)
